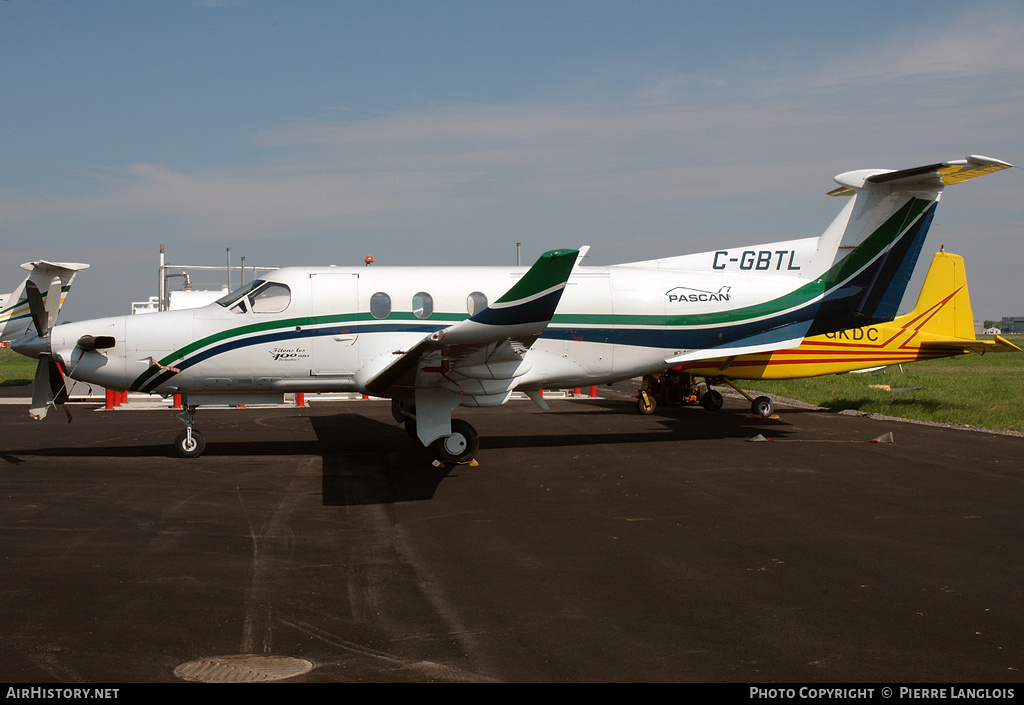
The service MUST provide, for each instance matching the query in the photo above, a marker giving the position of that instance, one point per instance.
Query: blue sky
(445, 132)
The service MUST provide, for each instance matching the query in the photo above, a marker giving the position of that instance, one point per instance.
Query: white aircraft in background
(50, 282)
(434, 338)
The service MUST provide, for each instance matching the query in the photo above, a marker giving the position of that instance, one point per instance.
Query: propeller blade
(49, 387)
(41, 390)
(37, 307)
(53, 295)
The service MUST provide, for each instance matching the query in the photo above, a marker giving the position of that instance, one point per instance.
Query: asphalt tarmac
(589, 543)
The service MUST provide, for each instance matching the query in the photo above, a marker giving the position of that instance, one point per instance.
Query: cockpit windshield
(258, 296)
(235, 295)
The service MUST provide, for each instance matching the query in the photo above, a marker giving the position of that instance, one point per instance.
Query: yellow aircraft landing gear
(668, 388)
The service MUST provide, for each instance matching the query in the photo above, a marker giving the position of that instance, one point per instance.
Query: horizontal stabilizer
(932, 176)
(37, 300)
(52, 268)
(998, 344)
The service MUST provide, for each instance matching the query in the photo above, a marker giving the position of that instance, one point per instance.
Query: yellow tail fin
(944, 299)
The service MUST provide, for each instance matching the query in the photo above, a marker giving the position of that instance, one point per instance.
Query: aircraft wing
(481, 357)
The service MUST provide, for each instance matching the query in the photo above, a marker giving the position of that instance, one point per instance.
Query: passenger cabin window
(476, 302)
(380, 305)
(422, 305)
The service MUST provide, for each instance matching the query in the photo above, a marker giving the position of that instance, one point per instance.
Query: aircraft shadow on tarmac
(368, 460)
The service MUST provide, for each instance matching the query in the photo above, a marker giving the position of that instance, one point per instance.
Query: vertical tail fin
(942, 322)
(880, 237)
(945, 299)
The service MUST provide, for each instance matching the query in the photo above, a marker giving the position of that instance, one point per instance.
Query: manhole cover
(243, 668)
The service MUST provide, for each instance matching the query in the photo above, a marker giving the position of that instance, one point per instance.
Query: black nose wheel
(189, 443)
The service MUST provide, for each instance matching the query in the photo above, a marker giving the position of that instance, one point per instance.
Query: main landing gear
(668, 388)
(712, 399)
(677, 387)
(759, 406)
(189, 443)
(459, 447)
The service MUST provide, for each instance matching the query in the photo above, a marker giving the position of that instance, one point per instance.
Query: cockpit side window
(258, 296)
(272, 298)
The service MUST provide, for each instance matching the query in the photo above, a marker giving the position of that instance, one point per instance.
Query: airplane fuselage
(331, 328)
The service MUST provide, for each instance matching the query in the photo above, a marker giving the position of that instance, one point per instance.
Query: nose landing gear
(189, 443)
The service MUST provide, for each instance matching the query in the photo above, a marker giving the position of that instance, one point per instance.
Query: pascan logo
(684, 294)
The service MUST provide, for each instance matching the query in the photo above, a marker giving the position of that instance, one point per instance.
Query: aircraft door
(335, 326)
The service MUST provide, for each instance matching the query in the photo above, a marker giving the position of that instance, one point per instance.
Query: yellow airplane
(941, 325)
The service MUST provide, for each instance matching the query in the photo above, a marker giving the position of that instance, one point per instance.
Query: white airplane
(434, 338)
(51, 282)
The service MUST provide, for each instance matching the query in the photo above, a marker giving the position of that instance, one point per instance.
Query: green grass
(15, 369)
(986, 391)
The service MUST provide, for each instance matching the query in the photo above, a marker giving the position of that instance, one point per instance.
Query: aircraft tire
(762, 406)
(712, 400)
(460, 447)
(646, 405)
(189, 450)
